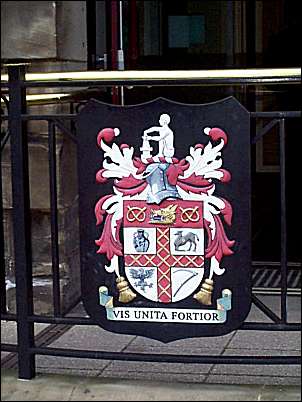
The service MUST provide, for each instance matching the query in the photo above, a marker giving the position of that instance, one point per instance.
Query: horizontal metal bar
(8, 347)
(276, 114)
(66, 116)
(290, 264)
(259, 326)
(166, 82)
(276, 291)
(8, 317)
(153, 75)
(26, 117)
(46, 97)
(165, 358)
(62, 320)
(158, 82)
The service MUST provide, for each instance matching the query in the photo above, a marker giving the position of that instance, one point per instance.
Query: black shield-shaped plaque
(164, 209)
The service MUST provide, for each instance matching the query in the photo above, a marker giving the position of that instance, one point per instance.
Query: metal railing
(17, 83)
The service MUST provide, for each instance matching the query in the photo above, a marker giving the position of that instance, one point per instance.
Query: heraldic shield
(164, 248)
(164, 206)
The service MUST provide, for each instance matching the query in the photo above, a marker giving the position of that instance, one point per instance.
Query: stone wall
(40, 218)
(51, 36)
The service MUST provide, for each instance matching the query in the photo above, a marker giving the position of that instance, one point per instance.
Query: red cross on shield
(164, 248)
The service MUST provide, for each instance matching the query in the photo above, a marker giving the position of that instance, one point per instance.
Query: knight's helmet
(159, 186)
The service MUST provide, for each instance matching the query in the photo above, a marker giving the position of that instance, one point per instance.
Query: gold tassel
(125, 293)
(204, 296)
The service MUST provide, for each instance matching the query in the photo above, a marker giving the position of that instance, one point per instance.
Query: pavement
(86, 379)
(74, 388)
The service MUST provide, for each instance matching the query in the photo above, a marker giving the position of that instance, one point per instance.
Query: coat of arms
(163, 225)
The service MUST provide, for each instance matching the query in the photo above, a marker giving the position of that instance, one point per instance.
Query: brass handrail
(154, 76)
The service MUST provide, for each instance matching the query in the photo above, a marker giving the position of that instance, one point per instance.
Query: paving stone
(167, 376)
(69, 371)
(66, 363)
(246, 370)
(48, 387)
(273, 302)
(37, 389)
(169, 349)
(147, 368)
(9, 331)
(183, 345)
(238, 343)
(4, 354)
(256, 315)
(280, 394)
(231, 379)
(266, 340)
(92, 338)
(294, 309)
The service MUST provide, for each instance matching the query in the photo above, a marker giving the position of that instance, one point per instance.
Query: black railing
(25, 318)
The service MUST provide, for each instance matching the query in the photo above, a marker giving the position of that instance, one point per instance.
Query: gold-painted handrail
(165, 75)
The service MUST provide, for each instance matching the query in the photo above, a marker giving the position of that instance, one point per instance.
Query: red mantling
(226, 175)
(176, 170)
(220, 245)
(107, 243)
(99, 176)
(99, 211)
(141, 167)
(130, 185)
(227, 212)
(107, 135)
(217, 134)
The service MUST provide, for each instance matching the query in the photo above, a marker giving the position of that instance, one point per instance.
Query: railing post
(54, 218)
(21, 222)
(2, 254)
(283, 238)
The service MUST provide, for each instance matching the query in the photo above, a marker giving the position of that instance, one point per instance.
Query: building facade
(94, 35)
